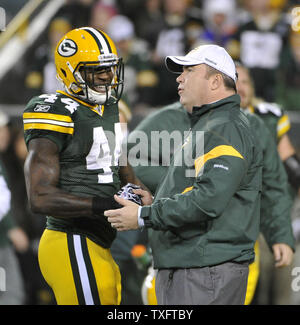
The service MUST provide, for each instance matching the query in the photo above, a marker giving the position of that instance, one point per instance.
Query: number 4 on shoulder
(70, 104)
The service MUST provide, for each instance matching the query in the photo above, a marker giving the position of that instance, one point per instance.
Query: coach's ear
(216, 81)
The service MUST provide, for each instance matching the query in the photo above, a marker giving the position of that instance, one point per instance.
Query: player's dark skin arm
(42, 174)
(127, 176)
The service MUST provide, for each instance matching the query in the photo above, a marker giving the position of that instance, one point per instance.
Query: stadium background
(145, 31)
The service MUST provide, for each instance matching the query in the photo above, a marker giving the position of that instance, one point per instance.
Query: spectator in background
(181, 30)
(4, 131)
(77, 12)
(101, 14)
(27, 227)
(172, 38)
(219, 22)
(41, 76)
(140, 78)
(288, 81)
(130, 8)
(11, 236)
(150, 22)
(276, 120)
(258, 44)
(272, 288)
(13, 291)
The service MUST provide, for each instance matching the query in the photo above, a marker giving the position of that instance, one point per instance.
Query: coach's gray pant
(223, 284)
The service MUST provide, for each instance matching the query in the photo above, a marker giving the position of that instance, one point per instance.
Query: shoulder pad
(265, 108)
(52, 103)
(50, 112)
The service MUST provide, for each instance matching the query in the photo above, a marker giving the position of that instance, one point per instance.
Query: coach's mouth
(180, 90)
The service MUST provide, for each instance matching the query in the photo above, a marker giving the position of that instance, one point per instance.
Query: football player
(72, 170)
(277, 122)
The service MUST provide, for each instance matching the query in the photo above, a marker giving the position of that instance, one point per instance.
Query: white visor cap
(212, 55)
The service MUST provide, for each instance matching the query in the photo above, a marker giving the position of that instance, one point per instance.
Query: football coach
(202, 227)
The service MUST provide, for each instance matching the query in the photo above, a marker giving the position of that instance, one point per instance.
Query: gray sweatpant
(223, 284)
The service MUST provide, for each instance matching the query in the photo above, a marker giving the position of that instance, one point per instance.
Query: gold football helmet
(82, 55)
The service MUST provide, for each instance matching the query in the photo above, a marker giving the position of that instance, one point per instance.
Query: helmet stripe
(103, 45)
(106, 40)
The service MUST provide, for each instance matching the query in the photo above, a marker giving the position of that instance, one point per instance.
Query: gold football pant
(78, 270)
(253, 276)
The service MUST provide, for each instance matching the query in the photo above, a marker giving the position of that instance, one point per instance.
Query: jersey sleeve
(276, 201)
(283, 125)
(46, 117)
(274, 117)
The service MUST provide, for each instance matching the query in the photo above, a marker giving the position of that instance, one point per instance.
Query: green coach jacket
(206, 210)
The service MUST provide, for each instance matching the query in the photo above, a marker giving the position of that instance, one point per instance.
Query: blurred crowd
(258, 33)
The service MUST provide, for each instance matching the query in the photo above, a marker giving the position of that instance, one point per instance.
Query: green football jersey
(276, 120)
(89, 141)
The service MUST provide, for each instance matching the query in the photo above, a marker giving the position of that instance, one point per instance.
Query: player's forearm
(60, 204)
(64, 205)
(127, 175)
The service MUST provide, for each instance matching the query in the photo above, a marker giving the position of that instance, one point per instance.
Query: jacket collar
(234, 100)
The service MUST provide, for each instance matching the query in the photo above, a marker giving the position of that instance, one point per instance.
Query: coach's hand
(125, 218)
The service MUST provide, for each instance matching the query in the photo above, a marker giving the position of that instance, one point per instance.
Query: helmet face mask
(101, 82)
(89, 67)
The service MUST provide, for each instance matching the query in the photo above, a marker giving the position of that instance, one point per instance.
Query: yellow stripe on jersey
(216, 152)
(47, 116)
(283, 126)
(48, 121)
(50, 127)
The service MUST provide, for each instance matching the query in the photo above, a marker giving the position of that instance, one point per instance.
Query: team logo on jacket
(67, 47)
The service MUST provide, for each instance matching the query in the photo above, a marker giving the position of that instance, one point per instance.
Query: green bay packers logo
(67, 48)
